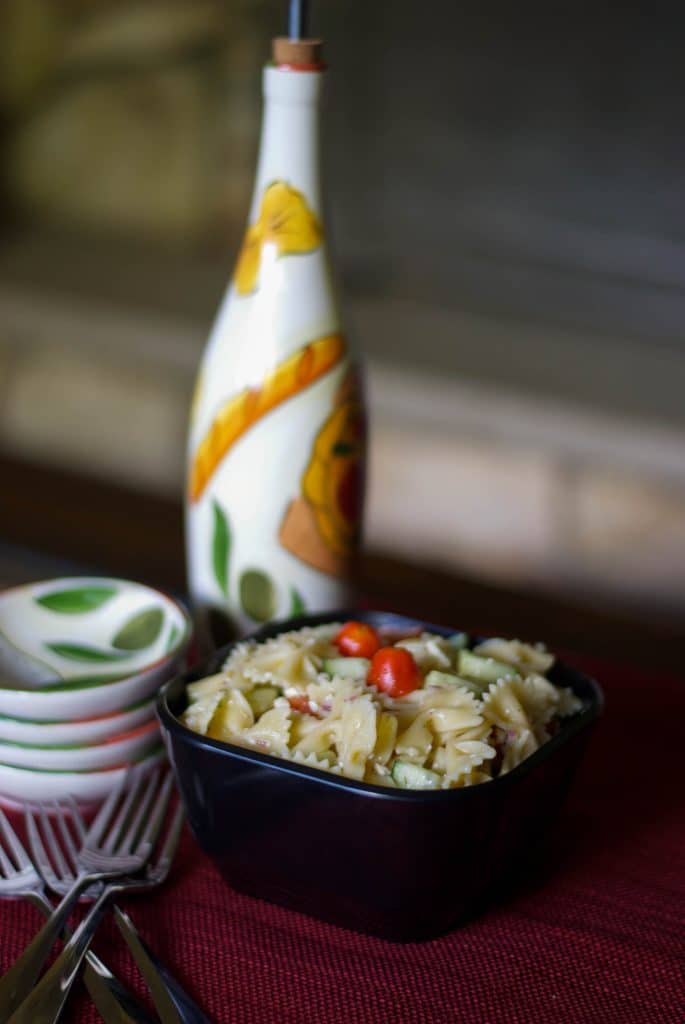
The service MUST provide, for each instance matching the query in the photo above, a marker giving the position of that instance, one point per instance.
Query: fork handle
(45, 1002)
(114, 1002)
(172, 1003)
(18, 981)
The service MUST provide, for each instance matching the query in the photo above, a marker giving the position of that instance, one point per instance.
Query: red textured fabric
(599, 940)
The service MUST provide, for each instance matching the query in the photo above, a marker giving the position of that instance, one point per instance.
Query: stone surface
(455, 500)
(97, 156)
(6, 371)
(144, 120)
(630, 533)
(511, 487)
(97, 416)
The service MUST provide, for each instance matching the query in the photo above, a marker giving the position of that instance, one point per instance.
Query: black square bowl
(405, 865)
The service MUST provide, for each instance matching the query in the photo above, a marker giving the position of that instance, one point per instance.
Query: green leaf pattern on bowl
(172, 639)
(140, 631)
(76, 600)
(68, 633)
(81, 652)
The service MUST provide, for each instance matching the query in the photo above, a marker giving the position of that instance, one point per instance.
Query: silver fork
(115, 845)
(45, 1003)
(173, 1004)
(19, 879)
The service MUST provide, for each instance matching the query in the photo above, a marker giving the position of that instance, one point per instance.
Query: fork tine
(103, 816)
(68, 845)
(77, 819)
(152, 828)
(12, 840)
(7, 868)
(53, 843)
(128, 840)
(111, 843)
(40, 856)
(166, 854)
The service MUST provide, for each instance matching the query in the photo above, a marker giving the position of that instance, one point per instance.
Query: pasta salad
(418, 711)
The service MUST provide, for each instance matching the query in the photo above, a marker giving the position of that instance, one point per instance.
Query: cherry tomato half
(394, 671)
(357, 640)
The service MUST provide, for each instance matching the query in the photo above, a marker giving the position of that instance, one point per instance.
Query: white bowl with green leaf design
(82, 732)
(81, 647)
(23, 785)
(93, 757)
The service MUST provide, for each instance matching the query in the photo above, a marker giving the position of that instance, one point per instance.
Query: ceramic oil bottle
(277, 439)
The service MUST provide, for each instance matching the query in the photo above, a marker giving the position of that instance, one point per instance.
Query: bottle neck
(289, 145)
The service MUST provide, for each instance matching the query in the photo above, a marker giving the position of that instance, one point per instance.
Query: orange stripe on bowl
(140, 730)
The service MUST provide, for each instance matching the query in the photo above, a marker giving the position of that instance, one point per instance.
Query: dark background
(507, 204)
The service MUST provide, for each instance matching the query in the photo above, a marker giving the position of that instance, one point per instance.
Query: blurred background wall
(506, 195)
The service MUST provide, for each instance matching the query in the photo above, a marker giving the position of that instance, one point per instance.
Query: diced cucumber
(458, 640)
(451, 679)
(484, 670)
(413, 776)
(437, 678)
(348, 668)
(261, 698)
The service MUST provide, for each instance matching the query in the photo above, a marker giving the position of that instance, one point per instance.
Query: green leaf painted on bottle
(257, 595)
(76, 600)
(221, 547)
(81, 652)
(141, 630)
(297, 605)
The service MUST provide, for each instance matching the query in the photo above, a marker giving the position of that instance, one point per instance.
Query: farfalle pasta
(421, 711)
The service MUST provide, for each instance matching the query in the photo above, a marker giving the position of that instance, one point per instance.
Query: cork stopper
(296, 52)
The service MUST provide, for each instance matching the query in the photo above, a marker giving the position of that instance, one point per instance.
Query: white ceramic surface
(67, 629)
(257, 543)
(84, 647)
(76, 733)
(21, 785)
(117, 751)
(86, 702)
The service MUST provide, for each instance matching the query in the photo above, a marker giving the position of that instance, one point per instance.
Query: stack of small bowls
(81, 660)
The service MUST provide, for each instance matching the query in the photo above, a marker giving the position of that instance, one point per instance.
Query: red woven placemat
(600, 940)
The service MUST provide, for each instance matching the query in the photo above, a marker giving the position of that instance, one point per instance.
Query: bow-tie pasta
(416, 712)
